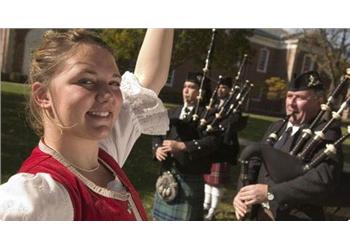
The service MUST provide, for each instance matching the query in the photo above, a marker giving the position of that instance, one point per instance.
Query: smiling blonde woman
(88, 117)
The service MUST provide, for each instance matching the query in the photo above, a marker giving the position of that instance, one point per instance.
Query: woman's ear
(41, 94)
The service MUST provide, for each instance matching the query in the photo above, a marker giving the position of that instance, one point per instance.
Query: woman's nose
(103, 94)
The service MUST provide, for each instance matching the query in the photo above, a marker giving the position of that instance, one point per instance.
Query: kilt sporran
(167, 186)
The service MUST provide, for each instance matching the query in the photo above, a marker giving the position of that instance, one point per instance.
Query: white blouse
(39, 197)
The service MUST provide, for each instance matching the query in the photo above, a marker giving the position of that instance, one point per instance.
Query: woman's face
(85, 94)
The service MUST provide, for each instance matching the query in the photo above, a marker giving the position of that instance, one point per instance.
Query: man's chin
(296, 121)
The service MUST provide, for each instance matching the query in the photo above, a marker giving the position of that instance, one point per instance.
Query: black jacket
(303, 197)
(197, 158)
(229, 148)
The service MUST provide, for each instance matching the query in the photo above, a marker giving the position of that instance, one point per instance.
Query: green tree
(332, 54)
(229, 47)
(189, 44)
(126, 44)
(332, 51)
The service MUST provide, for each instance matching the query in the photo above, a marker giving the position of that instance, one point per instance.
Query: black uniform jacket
(198, 156)
(229, 126)
(302, 198)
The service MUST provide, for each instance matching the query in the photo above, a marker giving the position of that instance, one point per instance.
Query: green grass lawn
(17, 138)
(17, 141)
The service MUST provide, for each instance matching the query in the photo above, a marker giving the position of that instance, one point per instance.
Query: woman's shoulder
(42, 162)
(38, 196)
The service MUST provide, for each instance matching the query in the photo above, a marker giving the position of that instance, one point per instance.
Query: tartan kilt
(219, 174)
(188, 204)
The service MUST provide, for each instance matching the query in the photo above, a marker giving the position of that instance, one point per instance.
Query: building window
(256, 94)
(308, 64)
(263, 60)
(170, 80)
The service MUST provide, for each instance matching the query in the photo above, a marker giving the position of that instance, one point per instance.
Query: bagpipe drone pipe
(205, 119)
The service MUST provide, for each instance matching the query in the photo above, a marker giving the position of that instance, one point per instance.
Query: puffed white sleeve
(142, 113)
(34, 197)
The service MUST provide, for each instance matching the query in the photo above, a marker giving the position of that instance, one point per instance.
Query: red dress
(87, 204)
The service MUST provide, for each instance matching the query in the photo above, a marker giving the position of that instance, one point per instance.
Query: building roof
(277, 34)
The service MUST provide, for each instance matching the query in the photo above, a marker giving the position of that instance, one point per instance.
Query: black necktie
(285, 142)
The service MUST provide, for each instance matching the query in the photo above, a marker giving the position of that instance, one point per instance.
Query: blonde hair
(56, 46)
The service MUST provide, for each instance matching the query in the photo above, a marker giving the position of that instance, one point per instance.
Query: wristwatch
(270, 196)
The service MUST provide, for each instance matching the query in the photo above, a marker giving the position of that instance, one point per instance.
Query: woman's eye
(115, 84)
(87, 83)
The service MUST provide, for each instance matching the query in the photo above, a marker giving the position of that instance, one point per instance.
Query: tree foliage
(189, 44)
(126, 44)
(332, 55)
(229, 47)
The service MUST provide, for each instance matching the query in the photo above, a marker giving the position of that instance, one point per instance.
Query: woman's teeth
(100, 114)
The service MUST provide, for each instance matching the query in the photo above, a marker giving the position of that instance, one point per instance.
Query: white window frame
(266, 62)
(312, 63)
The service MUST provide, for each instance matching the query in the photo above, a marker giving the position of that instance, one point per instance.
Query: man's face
(223, 91)
(190, 92)
(305, 105)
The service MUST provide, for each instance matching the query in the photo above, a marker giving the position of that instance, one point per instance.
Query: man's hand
(161, 153)
(173, 146)
(240, 207)
(253, 194)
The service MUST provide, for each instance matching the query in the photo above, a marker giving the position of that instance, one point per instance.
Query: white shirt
(186, 110)
(294, 128)
(222, 101)
(39, 197)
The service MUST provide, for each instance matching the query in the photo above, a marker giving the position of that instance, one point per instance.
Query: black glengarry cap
(306, 81)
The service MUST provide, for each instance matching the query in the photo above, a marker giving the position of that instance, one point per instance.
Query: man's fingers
(249, 199)
(166, 142)
(166, 148)
(247, 195)
(159, 158)
(240, 206)
(250, 202)
(238, 217)
(247, 188)
(162, 152)
(240, 212)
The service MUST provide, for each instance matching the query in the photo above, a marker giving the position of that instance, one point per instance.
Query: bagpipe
(206, 118)
(309, 151)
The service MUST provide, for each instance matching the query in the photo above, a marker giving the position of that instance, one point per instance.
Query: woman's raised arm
(153, 62)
